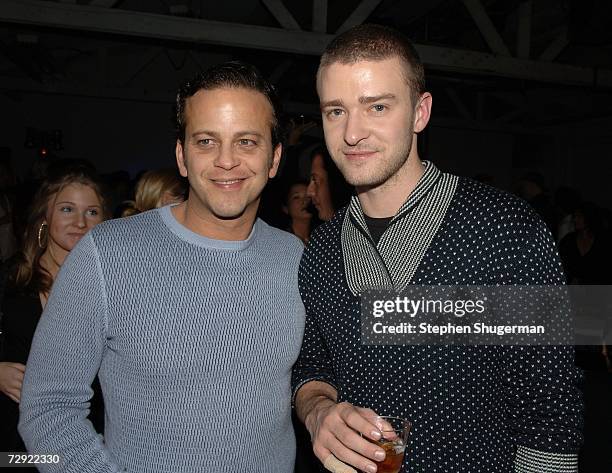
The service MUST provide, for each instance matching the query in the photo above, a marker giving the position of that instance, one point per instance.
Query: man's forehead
(229, 94)
(249, 104)
(342, 76)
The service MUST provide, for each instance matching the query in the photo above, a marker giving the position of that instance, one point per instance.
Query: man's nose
(226, 158)
(356, 129)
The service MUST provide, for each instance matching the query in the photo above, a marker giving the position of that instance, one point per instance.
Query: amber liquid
(393, 459)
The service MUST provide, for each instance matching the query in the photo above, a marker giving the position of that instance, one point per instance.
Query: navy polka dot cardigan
(481, 409)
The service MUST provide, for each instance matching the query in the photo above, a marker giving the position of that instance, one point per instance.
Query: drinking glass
(395, 432)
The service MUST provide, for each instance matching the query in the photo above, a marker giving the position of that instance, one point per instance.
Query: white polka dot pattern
(472, 408)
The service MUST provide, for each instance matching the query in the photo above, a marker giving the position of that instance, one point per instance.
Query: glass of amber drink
(395, 432)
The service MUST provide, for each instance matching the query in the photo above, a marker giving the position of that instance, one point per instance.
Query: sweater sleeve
(543, 401)
(314, 362)
(66, 354)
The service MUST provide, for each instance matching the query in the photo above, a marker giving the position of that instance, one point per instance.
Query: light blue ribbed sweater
(193, 340)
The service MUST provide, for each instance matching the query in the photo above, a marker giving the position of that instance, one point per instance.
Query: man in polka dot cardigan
(478, 409)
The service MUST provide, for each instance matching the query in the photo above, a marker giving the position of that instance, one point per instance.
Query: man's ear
(181, 161)
(276, 157)
(422, 112)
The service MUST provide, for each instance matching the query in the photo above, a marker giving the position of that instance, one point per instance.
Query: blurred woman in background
(297, 208)
(327, 188)
(155, 189)
(67, 205)
(586, 252)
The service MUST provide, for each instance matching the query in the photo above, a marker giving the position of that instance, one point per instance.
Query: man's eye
(246, 142)
(335, 112)
(205, 141)
(379, 108)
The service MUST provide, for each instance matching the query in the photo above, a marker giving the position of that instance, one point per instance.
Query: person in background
(8, 242)
(156, 189)
(567, 201)
(586, 253)
(327, 188)
(68, 204)
(296, 207)
(531, 187)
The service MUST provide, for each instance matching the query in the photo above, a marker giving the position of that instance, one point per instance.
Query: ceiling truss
(100, 16)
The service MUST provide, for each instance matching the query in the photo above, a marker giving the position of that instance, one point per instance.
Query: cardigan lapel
(393, 262)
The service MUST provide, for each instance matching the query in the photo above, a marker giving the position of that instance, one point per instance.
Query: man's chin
(364, 181)
(229, 215)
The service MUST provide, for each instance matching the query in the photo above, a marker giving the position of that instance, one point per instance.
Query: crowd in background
(34, 240)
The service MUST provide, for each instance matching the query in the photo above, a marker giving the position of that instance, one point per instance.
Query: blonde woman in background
(155, 189)
(67, 205)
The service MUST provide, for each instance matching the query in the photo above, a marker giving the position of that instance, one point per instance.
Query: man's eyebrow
(214, 134)
(332, 103)
(248, 132)
(376, 98)
(205, 132)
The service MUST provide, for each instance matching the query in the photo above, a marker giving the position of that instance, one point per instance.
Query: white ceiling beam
(456, 60)
(165, 27)
(555, 47)
(319, 16)
(486, 27)
(281, 14)
(523, 37)
(190, 30)
(359, 15)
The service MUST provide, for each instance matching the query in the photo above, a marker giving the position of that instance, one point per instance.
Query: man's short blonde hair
(376, 43)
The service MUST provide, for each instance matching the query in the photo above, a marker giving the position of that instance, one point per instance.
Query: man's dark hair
(376, 43)
(233, 74)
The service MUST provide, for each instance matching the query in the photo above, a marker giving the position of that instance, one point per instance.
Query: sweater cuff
(323, 379)
(536, 461)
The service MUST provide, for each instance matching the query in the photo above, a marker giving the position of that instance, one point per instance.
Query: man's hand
(341, 429)
(11, 379)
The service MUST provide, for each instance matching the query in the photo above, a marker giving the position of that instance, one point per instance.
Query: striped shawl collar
(393, 262)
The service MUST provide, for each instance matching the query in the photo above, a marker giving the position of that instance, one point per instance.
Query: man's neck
(386, 199)
(209, 226)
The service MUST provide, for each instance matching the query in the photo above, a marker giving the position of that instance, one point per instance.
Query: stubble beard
(378, 172)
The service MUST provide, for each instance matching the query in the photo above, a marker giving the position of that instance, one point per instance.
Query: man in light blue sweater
(190, 315)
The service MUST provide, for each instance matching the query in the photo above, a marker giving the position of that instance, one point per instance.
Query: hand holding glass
(394, 439)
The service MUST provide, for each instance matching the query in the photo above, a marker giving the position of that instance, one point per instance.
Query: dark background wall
(128, 135)
(532, 91)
